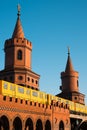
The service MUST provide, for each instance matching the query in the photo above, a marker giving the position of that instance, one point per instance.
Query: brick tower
(18, 51)
(70, 83)
(23, 108)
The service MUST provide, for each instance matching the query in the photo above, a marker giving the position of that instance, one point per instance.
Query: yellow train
(17, 91)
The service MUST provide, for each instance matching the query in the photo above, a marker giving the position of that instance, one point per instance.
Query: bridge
(78, 121)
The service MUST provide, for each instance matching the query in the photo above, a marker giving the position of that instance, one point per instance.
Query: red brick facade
(15, 112)
(19, 114)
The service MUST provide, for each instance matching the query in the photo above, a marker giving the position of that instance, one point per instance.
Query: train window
(35, 94)
(45, 96)
(5, 86)
(67, 102)
(41, 95)
(21, 90)
(59, 99)
(50, 97)
(27, 92)
(12, 87)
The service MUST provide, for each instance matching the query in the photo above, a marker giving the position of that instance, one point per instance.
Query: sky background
(51, 26)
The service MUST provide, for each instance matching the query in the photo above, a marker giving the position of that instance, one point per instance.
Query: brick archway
(39, 125)
(17, 124)
(4, 123)
(47, 125)
(29, 124)
(61, 125)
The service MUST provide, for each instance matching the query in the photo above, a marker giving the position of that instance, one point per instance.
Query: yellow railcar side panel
(5, 88)
(27, 93)
(13, 90)
(19, 92)
(42, 97)
(35, 96)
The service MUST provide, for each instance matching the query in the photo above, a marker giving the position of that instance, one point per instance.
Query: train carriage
(17, 91)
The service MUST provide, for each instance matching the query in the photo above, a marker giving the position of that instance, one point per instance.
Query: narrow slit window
(19, 55)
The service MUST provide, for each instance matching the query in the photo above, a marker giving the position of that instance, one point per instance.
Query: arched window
(19, 55)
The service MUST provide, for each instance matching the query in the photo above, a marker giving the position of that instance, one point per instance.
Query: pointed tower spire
(18, 31)
(70, 83)
(69, 66)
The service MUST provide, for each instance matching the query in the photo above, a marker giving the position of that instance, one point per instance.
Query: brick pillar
(11, 125)
(35, 126)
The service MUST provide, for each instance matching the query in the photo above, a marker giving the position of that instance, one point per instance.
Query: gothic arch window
(19, 55)
(61, 125)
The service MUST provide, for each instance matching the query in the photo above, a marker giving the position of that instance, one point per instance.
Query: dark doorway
(4, 123)
(61, 125)
(39, 125)
(48, 125)
(17, 124)
(29, 124)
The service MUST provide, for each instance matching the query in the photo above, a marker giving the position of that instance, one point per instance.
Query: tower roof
(18, 31)
(69, 66)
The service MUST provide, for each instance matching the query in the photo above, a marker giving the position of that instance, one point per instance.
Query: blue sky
(51, 26)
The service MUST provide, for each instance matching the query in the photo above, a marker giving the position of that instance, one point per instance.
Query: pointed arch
(39, 125)
(47, 125)
(61, 125)
(17, 124)
(4, 123)
(29, 124)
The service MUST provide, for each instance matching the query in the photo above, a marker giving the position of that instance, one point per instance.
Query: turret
(18, 66)
(70, 84)
(69, 77)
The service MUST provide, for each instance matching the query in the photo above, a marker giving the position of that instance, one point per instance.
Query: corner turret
(70, 83)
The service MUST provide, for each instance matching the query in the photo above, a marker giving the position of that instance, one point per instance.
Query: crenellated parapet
(20, 42)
